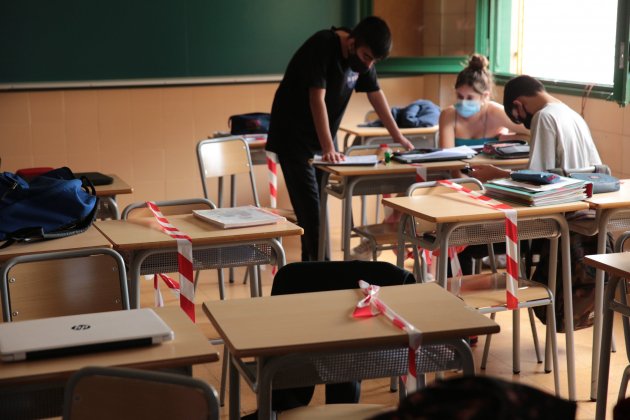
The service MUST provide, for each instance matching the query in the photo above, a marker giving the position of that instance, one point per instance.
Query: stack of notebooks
(531, 193)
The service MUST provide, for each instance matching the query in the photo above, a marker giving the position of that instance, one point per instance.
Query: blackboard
(103, 40)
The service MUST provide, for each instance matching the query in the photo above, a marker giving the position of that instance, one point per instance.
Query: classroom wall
(148, 135)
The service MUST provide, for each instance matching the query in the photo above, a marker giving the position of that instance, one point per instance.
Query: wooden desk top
(457, 207)
(390, 168)
(189, 347)
(482, 159)
(145, 233)
(617, 264)
(614, 199)
(91, 238)
(382, 131)
(323, 321)
(117, 187)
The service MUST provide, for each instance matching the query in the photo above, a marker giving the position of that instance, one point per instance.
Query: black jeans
(303, 183)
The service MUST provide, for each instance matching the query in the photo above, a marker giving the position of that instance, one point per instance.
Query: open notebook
(75, 334)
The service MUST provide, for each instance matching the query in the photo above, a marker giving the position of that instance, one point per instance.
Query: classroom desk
(393, 177)
(363, 133)
(277, 329)
(189, 347)
(91, 238)
(108, 193)
(618, 266)
(460, 220)
(141, 240)
(612, 213)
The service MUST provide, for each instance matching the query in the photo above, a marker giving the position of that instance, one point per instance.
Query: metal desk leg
(604, 361)
(565, 241)
(599, 305)
(235, 391)
(347, 223)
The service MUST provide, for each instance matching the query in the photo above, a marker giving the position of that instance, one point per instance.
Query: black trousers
(303, 183)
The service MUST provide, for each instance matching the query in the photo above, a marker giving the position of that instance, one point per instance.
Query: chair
(486, 292)
(57, 284)
(121, 393)
(612, 305)
(307, 370)
(63, 283)
(224, 157)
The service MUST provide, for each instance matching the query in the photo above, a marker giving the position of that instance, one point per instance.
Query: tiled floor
(377, 391)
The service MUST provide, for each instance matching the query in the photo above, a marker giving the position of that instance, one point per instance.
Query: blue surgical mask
(467, 107)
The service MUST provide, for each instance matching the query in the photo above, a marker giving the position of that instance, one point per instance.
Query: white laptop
(74, 334)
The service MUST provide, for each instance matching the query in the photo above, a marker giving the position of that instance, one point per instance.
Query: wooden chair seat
(487, 291)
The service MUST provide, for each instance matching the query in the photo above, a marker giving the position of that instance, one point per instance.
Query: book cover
(235, 217)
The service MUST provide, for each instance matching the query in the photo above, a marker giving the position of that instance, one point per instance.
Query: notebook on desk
(76, 334)
(96, 178)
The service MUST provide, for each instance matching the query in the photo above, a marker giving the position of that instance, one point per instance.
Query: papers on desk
(452, 153)
(234, 217)
(369, 160)
(567, 190)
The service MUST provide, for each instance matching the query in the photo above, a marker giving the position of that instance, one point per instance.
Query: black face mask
(355, 63)
(527, 122)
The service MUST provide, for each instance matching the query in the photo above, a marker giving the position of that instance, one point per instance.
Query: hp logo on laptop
(80, 327)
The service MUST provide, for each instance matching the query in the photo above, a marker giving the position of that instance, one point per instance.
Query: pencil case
(537, 177)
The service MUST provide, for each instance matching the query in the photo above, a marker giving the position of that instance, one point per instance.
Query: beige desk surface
(614, 199)
(117, 187)
(91, 238)
(617, 264)
(390, 168)
(457, 207)
(482, 159)
(382, 131)
(323, 321)
(144, 233)
(189, 347)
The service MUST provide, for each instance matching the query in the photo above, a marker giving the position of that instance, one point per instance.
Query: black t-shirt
(318, 63)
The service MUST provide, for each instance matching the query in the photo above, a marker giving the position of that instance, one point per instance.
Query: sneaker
(362, 252)
(499, 260)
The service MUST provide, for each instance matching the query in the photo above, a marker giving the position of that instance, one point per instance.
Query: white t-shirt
(560, 138)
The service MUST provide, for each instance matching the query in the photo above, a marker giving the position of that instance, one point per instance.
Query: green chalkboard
(102, 40)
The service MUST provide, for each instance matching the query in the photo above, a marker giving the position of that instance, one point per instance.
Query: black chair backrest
(320, 276)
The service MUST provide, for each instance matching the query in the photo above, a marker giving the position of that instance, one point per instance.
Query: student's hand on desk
(485, 173)
(405, 143)
(333, 156)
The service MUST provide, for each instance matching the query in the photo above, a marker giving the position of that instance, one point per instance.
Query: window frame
(493, 25)
(492, 28)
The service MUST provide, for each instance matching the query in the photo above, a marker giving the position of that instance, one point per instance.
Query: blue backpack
(52, 205)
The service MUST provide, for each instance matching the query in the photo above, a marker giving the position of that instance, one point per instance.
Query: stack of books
(565, 190)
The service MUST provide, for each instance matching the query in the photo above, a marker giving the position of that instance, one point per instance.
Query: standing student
(309, 105)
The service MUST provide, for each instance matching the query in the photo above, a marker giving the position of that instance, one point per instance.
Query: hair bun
(478, 62)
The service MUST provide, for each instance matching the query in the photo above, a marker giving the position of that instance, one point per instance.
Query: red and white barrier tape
(371, 306)
(272, 173)
(184, 262)
(169, 281)
(511, 238)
